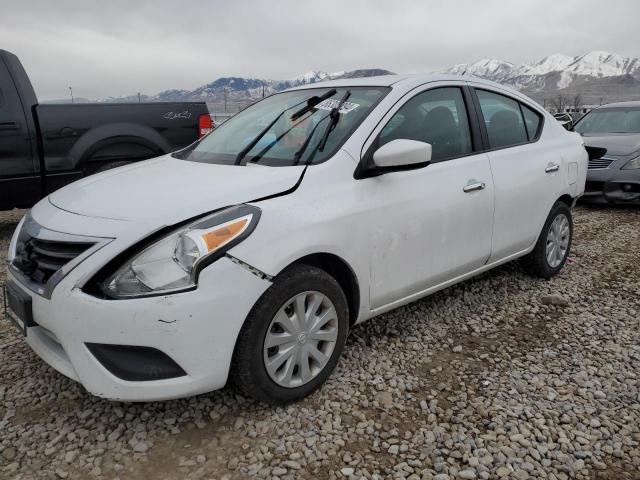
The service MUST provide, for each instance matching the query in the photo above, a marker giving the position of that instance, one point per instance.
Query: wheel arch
(339, 269)
(566, 199)
(108, 135)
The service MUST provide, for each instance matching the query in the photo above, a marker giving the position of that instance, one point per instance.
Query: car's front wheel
(553, 246)
(293, 337)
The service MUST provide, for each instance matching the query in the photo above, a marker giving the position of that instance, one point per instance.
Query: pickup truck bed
(44, 147)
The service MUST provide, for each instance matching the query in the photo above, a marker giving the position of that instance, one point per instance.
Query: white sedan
(250, 254)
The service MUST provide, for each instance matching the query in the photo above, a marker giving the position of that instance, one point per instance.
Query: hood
(615, 143)
(170, 190)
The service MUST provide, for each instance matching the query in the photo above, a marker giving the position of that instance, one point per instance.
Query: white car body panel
(403, 235)
(177, 186)
(164, 322)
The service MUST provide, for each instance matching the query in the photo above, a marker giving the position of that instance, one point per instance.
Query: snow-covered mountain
(557, 71)
(243, 90)
(598, 76)
(485, 68)
(553, 63)
(604, 64)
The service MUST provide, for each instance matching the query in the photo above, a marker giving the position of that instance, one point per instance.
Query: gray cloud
(122, 47)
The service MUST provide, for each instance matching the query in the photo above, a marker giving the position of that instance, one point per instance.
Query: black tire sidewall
(540, 252)
(250, 372)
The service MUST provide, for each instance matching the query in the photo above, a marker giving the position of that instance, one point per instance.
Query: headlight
(172, 263)
(632, 164)
(14, 240)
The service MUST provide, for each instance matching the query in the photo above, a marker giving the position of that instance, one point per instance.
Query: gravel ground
(504, 376)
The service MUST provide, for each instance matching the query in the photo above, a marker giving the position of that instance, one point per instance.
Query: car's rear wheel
(293, 336)
(553, 246)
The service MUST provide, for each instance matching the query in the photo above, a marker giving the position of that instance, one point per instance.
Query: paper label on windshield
(330, 104)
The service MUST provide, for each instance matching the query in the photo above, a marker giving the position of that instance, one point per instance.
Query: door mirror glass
(402, 152)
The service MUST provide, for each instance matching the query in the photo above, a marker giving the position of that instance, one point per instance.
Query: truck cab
(20, 175)
(46, 146)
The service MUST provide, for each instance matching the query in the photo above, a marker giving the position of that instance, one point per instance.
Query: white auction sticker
(330, 104)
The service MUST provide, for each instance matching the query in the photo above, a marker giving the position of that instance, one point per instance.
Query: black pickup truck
(44, 147)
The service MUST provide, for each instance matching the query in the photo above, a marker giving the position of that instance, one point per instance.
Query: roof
(621, 105)
(389, 80)
(408, 82)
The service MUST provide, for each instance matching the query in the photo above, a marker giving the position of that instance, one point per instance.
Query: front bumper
(611, 192)
(197, 330)
(612, 185)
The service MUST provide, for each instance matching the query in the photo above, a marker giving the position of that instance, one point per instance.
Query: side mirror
(565, 120)
(402, 153)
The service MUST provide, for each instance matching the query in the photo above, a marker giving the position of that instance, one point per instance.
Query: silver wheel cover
(300, 339)
(557, 240)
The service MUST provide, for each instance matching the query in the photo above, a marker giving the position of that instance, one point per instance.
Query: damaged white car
(250, 254)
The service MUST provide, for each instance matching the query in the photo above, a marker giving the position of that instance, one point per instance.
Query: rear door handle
(9, 126)
(472, 187)
(552, 167)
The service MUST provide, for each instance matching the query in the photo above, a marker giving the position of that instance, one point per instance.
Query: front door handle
(552, 167)
(9, 126)
(472, 187)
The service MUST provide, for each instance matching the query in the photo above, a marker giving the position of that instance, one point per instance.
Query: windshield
(286, 137)
(610, 120)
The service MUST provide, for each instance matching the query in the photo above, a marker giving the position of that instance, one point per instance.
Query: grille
(40, 259)
(599, 163)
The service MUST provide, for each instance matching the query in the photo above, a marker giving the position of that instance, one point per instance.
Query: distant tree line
(561, 103)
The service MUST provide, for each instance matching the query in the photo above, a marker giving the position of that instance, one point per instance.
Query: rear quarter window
(532, 122)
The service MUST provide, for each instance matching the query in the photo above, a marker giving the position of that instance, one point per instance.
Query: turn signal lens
(197, 242)
(222, 235)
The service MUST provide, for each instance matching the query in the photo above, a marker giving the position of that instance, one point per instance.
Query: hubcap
(557, 240)
(300, 339)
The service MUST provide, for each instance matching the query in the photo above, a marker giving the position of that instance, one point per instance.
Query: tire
(536, 262)
(249, 369)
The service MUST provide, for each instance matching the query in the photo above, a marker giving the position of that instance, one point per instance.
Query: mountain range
(239, 90)
(597, 77)
(593, 78)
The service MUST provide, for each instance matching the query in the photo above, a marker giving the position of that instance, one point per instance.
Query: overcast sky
(111, 48)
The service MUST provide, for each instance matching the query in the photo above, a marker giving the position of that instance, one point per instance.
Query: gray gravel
(504, 376)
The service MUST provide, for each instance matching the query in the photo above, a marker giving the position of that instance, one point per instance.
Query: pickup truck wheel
(292, 338)
(553, 246)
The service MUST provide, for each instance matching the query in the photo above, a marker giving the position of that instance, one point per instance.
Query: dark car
(615, 177)
(44, 147)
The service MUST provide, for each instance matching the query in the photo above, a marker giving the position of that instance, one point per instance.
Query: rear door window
(503, 119)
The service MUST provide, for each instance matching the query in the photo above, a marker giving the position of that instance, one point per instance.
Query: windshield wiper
(256, 139)
(261, 154)
(311, 102)
(335, 118)
(298, 155)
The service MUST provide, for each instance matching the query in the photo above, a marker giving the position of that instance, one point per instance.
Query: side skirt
(423, 293)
